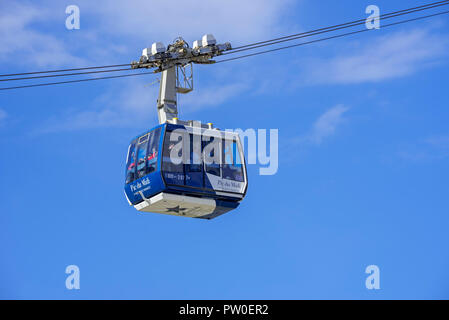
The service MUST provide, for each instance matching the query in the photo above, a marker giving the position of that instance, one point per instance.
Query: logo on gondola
(176, 209)
(145, 182)
(230, 185)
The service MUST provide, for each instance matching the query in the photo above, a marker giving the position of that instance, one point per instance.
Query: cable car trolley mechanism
(183, 168)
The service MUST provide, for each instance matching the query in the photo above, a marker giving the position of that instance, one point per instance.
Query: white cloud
(325, 126)
(164, 20)
(210, 96)
(390, 56)
(134, 105)
(433, 148)
(22, 43)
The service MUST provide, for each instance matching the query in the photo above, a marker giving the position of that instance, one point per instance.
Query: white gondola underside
(180, 205)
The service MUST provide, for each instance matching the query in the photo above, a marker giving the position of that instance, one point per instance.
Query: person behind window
(152, 160)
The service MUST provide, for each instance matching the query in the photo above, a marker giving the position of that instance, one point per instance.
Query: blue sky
(363, 156)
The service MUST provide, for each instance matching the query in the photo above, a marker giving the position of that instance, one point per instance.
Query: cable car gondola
(183, 168)
(156, 182)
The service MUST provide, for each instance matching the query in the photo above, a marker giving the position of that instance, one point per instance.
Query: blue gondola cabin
(186, 171)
